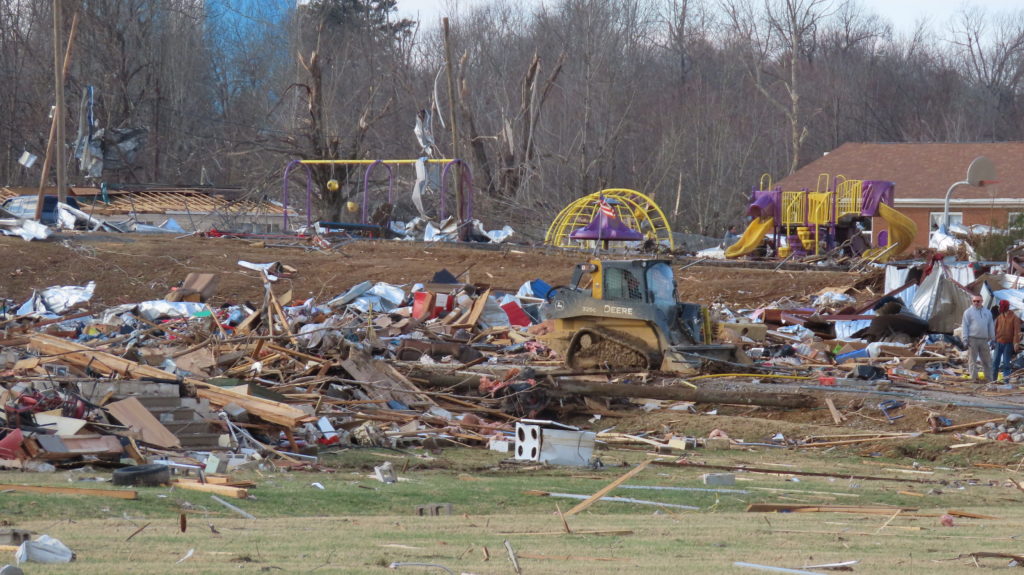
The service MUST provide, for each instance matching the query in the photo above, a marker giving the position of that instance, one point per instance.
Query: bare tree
(345, 53)
(781, 39)
(990, 55)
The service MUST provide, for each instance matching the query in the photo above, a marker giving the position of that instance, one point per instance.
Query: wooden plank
(296, 354)
(810, 508)
(836, 416)
(381, 381)
(63, 425)
(107, 364)
(132, 413)
(225, 490)
(854, 441)
(275, 307)
(969, 515)
(971, 425)
(604, 491)
(475, 311)
(116, 494)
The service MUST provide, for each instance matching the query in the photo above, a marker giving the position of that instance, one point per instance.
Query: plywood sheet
(132, 413)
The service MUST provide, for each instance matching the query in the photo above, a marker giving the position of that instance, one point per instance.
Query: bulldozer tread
(596, 347)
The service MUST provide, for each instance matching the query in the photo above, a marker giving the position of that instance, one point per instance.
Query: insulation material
(940, 301)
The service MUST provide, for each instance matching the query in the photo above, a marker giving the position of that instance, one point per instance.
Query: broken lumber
(225, 490)
(685, 463)
(132, 413)
(861, 440)
(109, 364)
(968, 514)
(971, 425)
(383, 382)
(114, 493)
(605, 490)
(992, 555)
(837, 417)
(810, 508)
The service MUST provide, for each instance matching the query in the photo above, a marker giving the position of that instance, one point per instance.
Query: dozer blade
(688, 357)
(598, 348)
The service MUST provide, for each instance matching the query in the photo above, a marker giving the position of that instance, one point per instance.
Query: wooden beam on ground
(855, 441)
(837, 417)
(113, 493)
(683, 463)
(604, 491)
(810, 508)
(971, 425)
(225, 490)
(968, 514)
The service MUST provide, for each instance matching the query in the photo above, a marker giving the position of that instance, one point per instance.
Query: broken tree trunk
(460, 383)
(765, 399)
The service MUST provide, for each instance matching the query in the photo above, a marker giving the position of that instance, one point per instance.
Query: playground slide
(751, 238)
(901, 231)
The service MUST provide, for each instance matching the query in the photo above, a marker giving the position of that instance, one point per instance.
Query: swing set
(463, 212)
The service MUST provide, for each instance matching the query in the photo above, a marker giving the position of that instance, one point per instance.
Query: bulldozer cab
(649, 282)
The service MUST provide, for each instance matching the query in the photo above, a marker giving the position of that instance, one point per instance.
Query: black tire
(151, 474)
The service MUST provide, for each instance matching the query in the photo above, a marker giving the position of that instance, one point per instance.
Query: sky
(904, 14)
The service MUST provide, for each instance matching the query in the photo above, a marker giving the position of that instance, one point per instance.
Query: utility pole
(58, 76)
(54, 121)
(452, 99)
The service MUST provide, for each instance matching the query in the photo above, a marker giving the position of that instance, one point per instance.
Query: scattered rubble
(192, 386)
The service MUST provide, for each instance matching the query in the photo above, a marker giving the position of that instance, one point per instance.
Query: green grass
(358, 525)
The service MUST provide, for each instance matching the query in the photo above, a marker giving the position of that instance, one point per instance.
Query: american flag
(607, 209)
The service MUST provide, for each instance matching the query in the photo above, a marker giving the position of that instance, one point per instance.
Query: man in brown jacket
(1007, 339)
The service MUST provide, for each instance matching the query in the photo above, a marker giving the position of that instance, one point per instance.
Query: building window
(935, 219)
(1015, 220)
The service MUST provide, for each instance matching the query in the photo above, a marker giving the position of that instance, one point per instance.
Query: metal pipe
(945, 206)
(366, 186)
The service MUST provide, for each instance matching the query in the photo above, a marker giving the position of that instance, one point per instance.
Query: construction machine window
(621, 284)
(661, 284)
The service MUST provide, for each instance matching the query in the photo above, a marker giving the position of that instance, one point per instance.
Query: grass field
(358, 525)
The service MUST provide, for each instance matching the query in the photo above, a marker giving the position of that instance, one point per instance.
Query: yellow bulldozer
(624, 314)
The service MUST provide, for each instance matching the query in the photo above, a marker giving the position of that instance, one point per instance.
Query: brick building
(923, 173)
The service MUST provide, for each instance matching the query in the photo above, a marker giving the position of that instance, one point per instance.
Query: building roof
(162, 201)
(920, 170)
(181, 201)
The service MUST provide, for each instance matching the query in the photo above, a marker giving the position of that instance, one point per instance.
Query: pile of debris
(212, 388)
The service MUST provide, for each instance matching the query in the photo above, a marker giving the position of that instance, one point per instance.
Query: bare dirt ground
(132, 268)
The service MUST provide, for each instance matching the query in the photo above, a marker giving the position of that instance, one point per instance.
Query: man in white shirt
(979, 330)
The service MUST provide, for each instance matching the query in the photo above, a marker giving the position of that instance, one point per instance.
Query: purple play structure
(605, 228)
(835, 221)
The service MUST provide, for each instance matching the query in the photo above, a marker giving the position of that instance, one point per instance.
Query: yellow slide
(751, 238)
(901, 233)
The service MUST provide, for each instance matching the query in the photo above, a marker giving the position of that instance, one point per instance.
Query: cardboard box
(196, 287)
